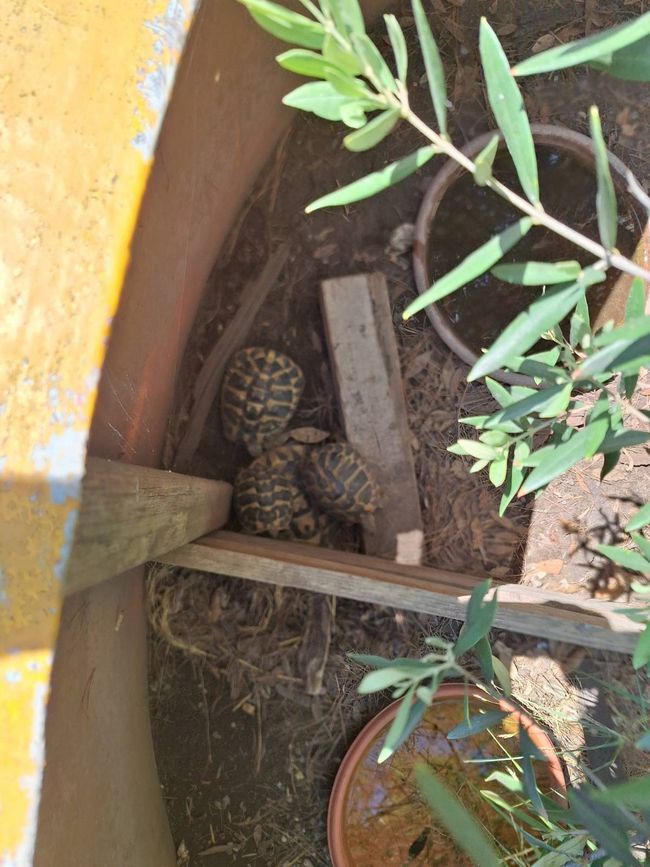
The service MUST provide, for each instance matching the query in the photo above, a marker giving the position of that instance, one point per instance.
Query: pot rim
(336, 811)
(569, 140)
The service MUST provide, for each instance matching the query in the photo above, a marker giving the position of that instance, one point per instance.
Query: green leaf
(529, 752)
(485, 160)
(597, 819)
(478, 619)
(478, 466)
(340, 58)
(502, 675)
(375, 182)
(639, 520)
(432, 64)
(507, 780)
(353, 115)
(473, 266)
(509, 110)
(631, 330)
(483, 653)
(373, 132)
(515, 475)
(346, 84)
(351, 12)
(476, 449)
(476, 724)
(606, 196)
(375, 67)
(495, 438)
(304, 62)
(538, 402)
(631, 62)
(538, 273)
(622, 439)
(635, 306)
(319, 98)
(525, 330)
(628, 559)
(634, 793)
(641, 654)
(597, 425)
(560, 458)
(399, 46)
(286, 25)
(415, 715)
(394, 737)
(381, 679)
(498, 472)
(596, 47)
(459, 822)
(580, 322)
(609, 463)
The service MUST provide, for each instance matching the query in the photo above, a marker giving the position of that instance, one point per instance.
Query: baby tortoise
(340, 482)
(260, 393)
(261, 497)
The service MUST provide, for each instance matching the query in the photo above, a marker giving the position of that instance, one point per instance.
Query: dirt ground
(246, 756)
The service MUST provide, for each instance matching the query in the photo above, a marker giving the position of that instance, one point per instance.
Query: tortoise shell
(260, 392)
(263, 501)
(340, 482)
(284, 463)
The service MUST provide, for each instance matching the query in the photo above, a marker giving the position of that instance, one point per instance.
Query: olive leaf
(606, 195)
(319, 98)
(286, 25)
(432, 64)
(472, 266)
(479, 619)
(459, 822)
(526, 329)
(600, 47)
(639, 520)
(538, 273)
(628, 559)
(398, 44)
(485, 160)
(631, 62)
(373, 132)
(508, 107)
(375, 182)
(476, 724)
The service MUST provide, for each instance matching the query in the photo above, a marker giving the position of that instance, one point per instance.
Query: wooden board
(133, 514)
(365, 362)
(208, 382)
(417, 588)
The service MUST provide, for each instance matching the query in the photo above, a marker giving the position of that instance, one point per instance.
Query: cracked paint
(81, 84)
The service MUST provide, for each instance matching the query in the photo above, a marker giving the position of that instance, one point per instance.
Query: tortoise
(260, 392)
(269, 499)
(263, 501)
(340, 481)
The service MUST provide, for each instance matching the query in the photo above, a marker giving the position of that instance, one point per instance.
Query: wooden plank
(438, 592)
(133, 514)
(208, 382)
(365, 362)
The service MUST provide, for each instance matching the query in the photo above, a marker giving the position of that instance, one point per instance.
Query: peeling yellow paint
(81, 99)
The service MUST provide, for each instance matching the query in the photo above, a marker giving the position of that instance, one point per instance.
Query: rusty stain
(84, 83)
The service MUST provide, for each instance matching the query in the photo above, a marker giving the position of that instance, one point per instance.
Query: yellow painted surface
(83, 87)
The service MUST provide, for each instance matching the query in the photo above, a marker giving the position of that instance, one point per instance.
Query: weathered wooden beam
(438, 592)
(365, 363)
(132, 514)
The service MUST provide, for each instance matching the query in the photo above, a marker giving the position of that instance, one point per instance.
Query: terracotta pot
(342, 846)
(580, 147)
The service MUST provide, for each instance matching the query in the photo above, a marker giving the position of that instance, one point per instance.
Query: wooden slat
(208, 382)
(133, 514)
(365, 362)
(431, 591)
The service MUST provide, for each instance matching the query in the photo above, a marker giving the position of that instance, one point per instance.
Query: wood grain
(133, 514)
(365, 363)
(417, 588)
(208, 382)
